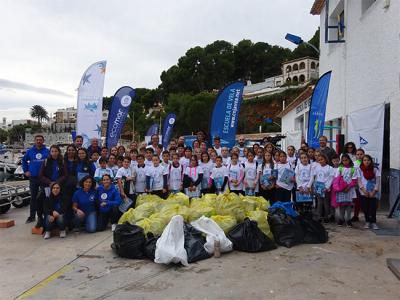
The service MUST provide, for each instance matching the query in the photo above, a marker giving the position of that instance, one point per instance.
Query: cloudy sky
(47, 44)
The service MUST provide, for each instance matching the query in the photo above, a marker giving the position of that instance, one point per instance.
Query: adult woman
(84, 205)
(108, 200)
(350, 149)
(84, 167)
(121, 150)
(71, 181)
(53, 168)
(55, 207)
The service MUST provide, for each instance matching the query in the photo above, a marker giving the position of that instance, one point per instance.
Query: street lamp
(298, 41)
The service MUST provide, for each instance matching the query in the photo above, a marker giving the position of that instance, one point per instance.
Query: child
(175, 175)
(291, 157)
(260, 156)
(213, 156)
(94, 159)
(149, 157)
(285, 180)
(140, 171)
(165, 159)
(236, 175)
(124, 179)
(102, 169)
(219, 176)
(55, 208)
(120, 160)
(193, 178)
(206, 165)
(321, 181)
(185, 160)
(303, 173)
(226, 160)
(369, 183)
(156, 178)
(359, 157)
(335, 165)
(250, 180)
(181, 151)
(84, 166)
(133, 155)
(276, 157)
(344, 189)
(357, 203)
(112, 164)
(311, 153)
(267, 178)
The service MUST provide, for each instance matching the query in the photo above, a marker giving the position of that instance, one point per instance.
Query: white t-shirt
(219, 174)
(369, 185)
(193, 172)
(292, 161)
(114, 169)
(175, 177)
(156, 175)
(322, 174)
(264, 171)
(226, 161)
(235, 172)
(348, 176)
(303, 175)
(184, 162)
(100, 172)
(140, 182)
(134, 163)
(207, 168)
(288, 185)
(219, 150)
(122, 172)
(148, 163)
(242, 160)
(250, 175)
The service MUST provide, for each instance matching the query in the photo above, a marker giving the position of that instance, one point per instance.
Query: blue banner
(316, 118)
(226, 114)
(169, 123)
(152, 130)
(118, 114)
(189, 139)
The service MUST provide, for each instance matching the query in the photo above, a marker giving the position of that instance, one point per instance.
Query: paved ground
(351, 266)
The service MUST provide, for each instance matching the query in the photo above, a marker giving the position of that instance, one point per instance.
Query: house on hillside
(359, 43)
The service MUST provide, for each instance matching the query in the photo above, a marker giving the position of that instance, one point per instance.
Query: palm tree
(40, 113)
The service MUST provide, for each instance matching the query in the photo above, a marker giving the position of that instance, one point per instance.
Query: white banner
(90, 102)
(293, 138)
(365, 129)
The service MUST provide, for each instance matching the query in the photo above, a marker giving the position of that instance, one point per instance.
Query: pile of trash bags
(176, 230)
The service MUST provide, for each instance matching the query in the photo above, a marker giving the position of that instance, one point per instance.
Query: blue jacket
(111, 197)
(33, 159)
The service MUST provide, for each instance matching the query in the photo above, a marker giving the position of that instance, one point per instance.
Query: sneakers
(366, 226)
(355, 219)
(113, 226)
(47, 235)
(63, 234)
(349, 224)
(340, 223)
(30, 220)
(374, 226)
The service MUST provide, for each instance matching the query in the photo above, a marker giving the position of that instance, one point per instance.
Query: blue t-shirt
(86, 200)
(110, 196)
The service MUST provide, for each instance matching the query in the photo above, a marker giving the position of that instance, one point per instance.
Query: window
(295, 67)
(366, 4)
(295, 79)
(302, 66)
(312, 65)
(302, 78)
(288, 80)
(288, 69)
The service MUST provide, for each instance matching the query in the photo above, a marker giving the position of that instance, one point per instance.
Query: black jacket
(49, 204)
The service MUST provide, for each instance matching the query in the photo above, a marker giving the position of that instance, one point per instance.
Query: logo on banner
(363, 141)
(126, 100)
(171, 121)
(92, 107)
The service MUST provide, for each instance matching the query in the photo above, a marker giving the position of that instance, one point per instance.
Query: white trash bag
(170, 247)
(214, 233)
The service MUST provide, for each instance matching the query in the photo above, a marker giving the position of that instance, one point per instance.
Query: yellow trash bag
(209, 197)
(126, 217)
(200, 208)
(154, 224)
(147, 198)
(225, 222)
(169, 210)
(252, 203)
(260, 217)
(230, 205)
(178, 198)
(143, 211)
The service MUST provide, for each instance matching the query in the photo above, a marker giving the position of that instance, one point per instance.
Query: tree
(40, 113)
(3, 135)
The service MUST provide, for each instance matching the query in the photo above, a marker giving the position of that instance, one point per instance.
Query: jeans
(369, 208)
(324, 206)
(113, 216)
(283, 195)
(90, 221)
(36, 204)
(57, 223)
(344, 210)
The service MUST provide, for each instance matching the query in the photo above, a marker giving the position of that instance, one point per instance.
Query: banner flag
(226, 114)
(152, 130)
(90, 102)
(365, 128)
(168, 126)
(118, 113)
(316, 119)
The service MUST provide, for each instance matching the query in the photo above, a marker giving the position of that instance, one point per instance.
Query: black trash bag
(287, 231)
(129, 241)
(248, 237)
(194, 244)
(150, 246)
(314, 231)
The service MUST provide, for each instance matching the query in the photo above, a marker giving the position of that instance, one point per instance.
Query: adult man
(323, 140)
(78, 141)
(94, 147)
(31, 164)
(240, 145)
(133, 146)
(155, 140)
(217, 145)
(201, 136)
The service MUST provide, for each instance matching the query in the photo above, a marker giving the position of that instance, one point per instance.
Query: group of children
(93, 191)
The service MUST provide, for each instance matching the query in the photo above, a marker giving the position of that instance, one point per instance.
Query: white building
(300, 70)
(359, 42)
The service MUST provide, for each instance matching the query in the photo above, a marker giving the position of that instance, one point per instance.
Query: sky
(46, 45)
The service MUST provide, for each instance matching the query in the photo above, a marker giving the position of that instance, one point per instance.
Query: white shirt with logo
(156, 175)
(140, 182)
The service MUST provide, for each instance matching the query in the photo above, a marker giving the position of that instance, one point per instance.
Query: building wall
(366, 68)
